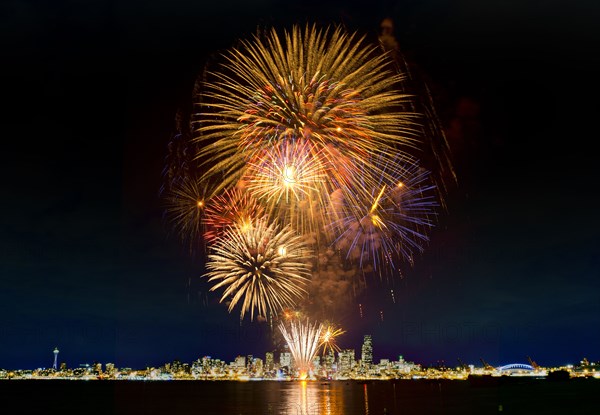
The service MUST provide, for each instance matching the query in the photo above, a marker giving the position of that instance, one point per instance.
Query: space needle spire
(55, 365)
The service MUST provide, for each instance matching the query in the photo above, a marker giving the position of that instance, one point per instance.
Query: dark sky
(90, 90)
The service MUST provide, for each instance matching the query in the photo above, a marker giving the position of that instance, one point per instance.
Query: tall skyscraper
(367, 350)
(55, 365)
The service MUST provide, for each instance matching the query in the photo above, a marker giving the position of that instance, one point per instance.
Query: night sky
(90, 91)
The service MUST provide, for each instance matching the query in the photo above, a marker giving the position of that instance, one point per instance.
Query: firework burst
(327, 87)
(393, 221)
(328, 340)
(291, 181)
(303, 339)
(264, 268)
(185, 203)
(232, 207)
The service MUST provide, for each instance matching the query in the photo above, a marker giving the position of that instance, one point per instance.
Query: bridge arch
(515, 366)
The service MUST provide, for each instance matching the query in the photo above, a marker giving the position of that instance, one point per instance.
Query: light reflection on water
(322, 398)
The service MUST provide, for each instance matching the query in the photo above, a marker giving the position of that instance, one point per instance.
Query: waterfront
(517, 396)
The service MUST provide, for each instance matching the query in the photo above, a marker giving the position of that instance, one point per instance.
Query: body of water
(527, 396)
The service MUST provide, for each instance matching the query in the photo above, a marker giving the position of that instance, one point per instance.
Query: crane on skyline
(486, 365)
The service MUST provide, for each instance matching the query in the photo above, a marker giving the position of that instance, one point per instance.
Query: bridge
(515, 367)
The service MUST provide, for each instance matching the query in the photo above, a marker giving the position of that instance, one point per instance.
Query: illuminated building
(345, 361)
(257, 367)
(240, 362)
(285, 359)
(327, 366)
(269, 361)
(367, 350)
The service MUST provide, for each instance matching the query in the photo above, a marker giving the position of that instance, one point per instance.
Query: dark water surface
(299, 398)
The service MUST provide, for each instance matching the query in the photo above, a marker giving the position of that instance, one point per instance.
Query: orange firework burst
(328, 340)
(233, 207)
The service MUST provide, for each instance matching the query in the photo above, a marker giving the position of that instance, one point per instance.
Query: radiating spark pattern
(185, 204)
(328, 340)
(303, 339)
(327, 87)
(232, 207)
(292, 183)
(254, 270)
(287, 173)
(392, 223)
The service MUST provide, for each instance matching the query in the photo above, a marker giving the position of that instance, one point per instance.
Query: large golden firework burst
(327, 87)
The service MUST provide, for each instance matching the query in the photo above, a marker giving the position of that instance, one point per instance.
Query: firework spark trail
(264, 267)
(303, 339)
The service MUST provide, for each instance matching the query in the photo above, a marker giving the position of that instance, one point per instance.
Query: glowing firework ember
(264, 267)
(303, 339)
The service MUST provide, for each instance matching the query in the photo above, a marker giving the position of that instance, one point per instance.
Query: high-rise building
(328, 360)
(316, 363)
(258, 367)
(269, 361)
(110, 369)
(285, 359)
(345, 360)
(240, 362)
(367, 350)
(97, 368)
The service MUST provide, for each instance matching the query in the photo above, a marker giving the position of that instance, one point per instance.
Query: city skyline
(88, 264)
(280, 364)
(360, 353)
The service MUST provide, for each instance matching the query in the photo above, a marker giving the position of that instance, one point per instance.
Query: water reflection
(323, 398)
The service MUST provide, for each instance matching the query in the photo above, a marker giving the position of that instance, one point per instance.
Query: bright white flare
(304, 340)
